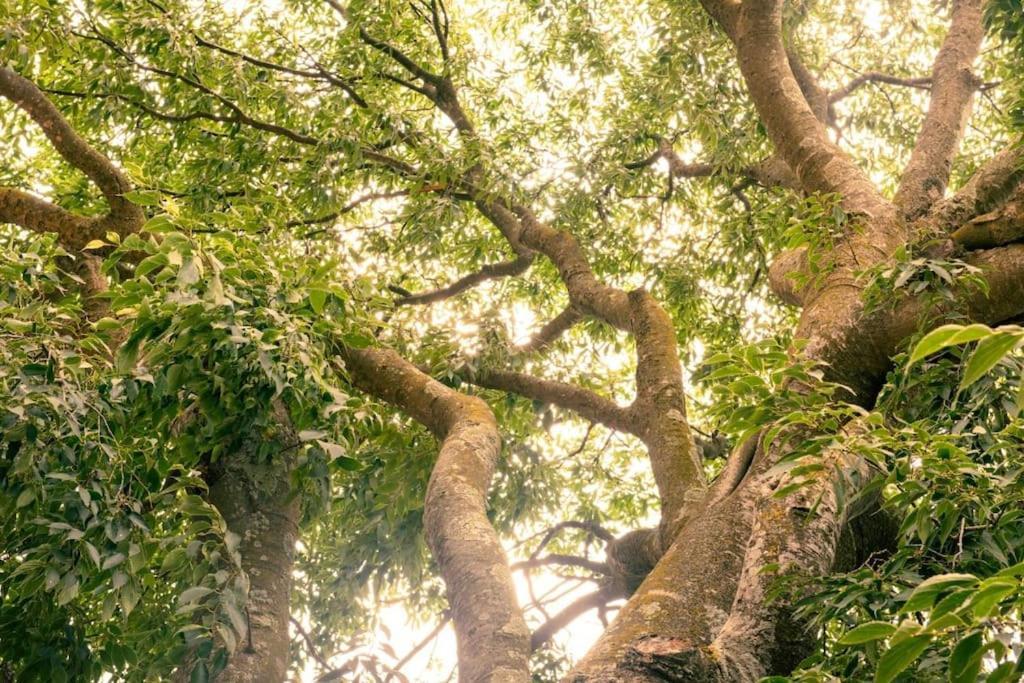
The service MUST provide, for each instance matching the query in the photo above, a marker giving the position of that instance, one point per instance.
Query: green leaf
(900, 656)
(965, 660)
(68, 589)
(947, 335)
(989, 352)
(143, 197)
(158, 223)
(95, 244)
(990, 593)
(317, 298)
(24, 498)
(866, 633)
(929, 589)
(193, 594)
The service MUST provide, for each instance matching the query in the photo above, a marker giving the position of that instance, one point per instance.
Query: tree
(268, 374)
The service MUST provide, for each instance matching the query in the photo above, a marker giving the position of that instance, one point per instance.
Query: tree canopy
(313, 308)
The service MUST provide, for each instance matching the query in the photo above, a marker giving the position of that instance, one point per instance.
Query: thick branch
(796, 131)
(562, 394)
(1001, 226)
(123, 217)
(988, 187)
(493, 641)
(953, 85)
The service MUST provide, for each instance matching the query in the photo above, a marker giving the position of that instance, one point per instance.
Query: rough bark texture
(953, 84)
(253, 496)
(493, 641)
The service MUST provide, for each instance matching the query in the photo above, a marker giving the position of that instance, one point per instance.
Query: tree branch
(123, 217)
(798, 134)
(988, 187)
(492, 637)
(577, 608)
(953, 84)
(551, 331)
(492, 271)
(996, 228)
(923, 83)
(562, 561)
(562, 394)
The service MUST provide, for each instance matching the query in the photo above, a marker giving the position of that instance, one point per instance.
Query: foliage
(270, 241)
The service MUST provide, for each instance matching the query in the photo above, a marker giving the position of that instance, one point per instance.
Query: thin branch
(562, 561)
(551, 330)
(577, 608)
(423, 643)
(311, 647)
(491, 271)
(923, 83)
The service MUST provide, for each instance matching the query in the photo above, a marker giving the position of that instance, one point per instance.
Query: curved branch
(577, 608)
(798, 134)
(923, 83)
(562, 394)
(996, 228)
(493, 640)
(551, 330)
(516, 266)
(953, 84)
(123, 217)
(562, 560)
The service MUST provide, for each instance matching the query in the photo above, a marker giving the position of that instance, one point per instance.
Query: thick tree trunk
(252, 491)
(254, 499)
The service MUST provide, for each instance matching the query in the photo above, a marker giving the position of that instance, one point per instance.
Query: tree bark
(253, 494)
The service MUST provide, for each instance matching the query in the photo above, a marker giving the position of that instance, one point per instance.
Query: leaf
(900, 656)
(143, 197)
(332, 450)
(174, 559)
(989, 352)
(926, 591)
(317, 298)
(866, 633)
(129, 596)
(158, 223)
(95, 244)
(238, 621)
(347, 463)
(990, 593)
(24, 498)
(193, 594)
(113, 561)
(68, 589)
(965, 660)
(947, 335)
